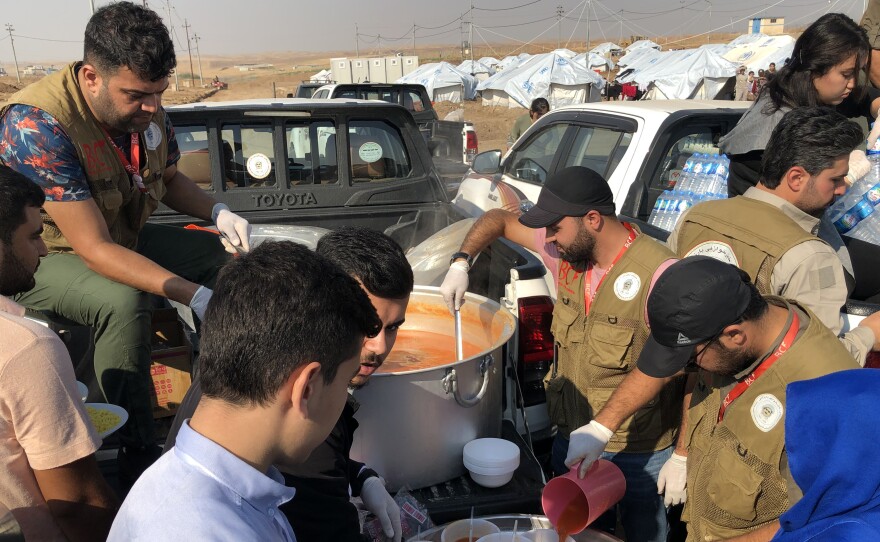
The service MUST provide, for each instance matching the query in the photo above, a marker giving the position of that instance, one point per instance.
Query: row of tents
(565, 77)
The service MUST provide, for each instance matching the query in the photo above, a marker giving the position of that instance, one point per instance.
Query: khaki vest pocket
(734, 487)
(565, 327)
(109, 202)
(555, 388)
(609, 346)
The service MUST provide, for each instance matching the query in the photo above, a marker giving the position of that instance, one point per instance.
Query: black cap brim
(539, 218)
(658, 361)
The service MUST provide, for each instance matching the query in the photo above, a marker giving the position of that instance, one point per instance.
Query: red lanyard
(741, 387)
(132, 167)
(588, 296)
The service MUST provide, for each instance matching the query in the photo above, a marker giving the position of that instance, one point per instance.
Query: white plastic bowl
(504, 537)
(545, 535)
(462, 529)
(491, 462)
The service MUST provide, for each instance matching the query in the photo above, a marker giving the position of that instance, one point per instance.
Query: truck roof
(281, 103)
(655, 108)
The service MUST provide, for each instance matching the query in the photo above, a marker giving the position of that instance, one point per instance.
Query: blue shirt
(201, 491)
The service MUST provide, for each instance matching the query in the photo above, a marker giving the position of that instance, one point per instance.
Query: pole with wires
(357, 39)
(14, 58)
(587, 46)
(471, 36)
(192, 74)
(559, 13)
(414, 39)
(171, 35)
(196, 39)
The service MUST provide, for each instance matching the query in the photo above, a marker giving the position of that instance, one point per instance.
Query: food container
(545, 535)
(524, 523)
(504, 537)
(491, 462)
(415, 419)
(463, 528)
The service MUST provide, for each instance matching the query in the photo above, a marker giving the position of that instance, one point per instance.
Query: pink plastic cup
(582, 501)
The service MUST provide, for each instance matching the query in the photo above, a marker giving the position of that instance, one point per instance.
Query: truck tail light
(535, 339)
(472, 145)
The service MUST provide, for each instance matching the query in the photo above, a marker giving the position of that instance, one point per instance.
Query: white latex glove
(234, 228)
(199, 302)
(672, 481)
(381, 504)
(455, 285)
(586, 444)
(859, 166)
(874, 134)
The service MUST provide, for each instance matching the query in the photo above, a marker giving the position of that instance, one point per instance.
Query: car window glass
(690, 141)
(195, 160)
(248, 155)
(597, 148)
(311, 152)
(377, 152)
(531, 162)
(350, 94)
(413, 102)
(321, 94)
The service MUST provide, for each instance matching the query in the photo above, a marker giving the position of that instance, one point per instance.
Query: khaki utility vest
(745, 232)
(597, 350)
(124, 207)
(733, 476)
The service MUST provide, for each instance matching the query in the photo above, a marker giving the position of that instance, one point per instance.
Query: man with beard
(707, 316)
(599, 325)
(49, 478)
(771, 230)
(96, 140)
(322, 509)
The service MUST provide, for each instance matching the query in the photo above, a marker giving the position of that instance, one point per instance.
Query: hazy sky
(51, 30)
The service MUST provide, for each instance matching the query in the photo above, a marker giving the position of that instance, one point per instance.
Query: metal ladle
(459, 349)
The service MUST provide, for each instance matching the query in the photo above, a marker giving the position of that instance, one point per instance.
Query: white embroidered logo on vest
(767, 410)
(627, 285)
(153, 136)
(682, 339)
(715, 249)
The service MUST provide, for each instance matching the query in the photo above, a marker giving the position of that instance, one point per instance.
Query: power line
(47, 39)
(506, 9)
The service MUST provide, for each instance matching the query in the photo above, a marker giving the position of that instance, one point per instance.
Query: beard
(107, 114)
(15, 278)
(730, 362)
(370, 363)
(581, 249)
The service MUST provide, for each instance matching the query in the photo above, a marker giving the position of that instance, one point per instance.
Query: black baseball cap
(573, 191)
(692, 302)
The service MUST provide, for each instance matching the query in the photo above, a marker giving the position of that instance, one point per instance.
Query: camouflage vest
(124, 207)
(597, 350)
(733, 477)
(745, 232)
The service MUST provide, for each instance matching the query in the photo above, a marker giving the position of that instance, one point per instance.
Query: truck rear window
(377, 152)
(311, 152)
(249, 159)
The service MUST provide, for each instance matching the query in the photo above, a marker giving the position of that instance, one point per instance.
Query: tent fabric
(489, 61)
(323, 75)
(746, 39)
(758, 54)
(441, 79)
(508, 62)
(567, 53)
(642, 44)
(681, 74)
(605, 48)
(549, 75)
(596, 61)
(475, 67)
(638, 56)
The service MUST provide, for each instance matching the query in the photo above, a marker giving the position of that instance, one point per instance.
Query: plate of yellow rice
(106, 418)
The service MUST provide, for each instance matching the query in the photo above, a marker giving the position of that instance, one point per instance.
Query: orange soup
(572, 519)
(416, 350)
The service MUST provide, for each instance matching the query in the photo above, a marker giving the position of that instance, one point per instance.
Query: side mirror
(488, 162)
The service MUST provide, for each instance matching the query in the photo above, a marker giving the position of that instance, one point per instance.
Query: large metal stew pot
(415, 423)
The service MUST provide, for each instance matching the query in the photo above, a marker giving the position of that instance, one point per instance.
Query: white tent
(758, 54)
(550, 76)
(443, 81)
(639, 58)
(323, 76)
(595, 61)
(567, 53)
(476, 68)
(746, 39)
(490, 61)
(689, 73)
(605, 48)
(642, 44)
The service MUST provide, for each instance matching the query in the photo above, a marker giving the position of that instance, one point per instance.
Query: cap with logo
(692, 302)
(572, 191)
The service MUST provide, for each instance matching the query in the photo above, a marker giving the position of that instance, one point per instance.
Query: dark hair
(16, 193)
(372, 258)
(273, 310)
(123, 34)
(757, 307)
(830, 40)
(540, 105)
(809, 137)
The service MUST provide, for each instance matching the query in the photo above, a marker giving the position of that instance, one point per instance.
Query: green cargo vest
(733, 477)
(597, 350)
(124, 207)
(745, 232)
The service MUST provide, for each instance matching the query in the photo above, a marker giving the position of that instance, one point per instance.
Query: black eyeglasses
(691, 365)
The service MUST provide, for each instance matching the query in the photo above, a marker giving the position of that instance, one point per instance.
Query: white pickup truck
(639, 146)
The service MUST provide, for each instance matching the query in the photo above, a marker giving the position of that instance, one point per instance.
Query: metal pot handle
(450, 383)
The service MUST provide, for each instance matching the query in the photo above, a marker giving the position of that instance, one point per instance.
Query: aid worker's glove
(381, 504)
(199, 302)
(673, 480)
(455, 285)
(874, 134)
(236, 231)
(859, 166)
(586, 444)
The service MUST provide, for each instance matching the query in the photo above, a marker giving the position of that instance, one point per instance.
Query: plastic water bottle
(657, 211)
(687, 173)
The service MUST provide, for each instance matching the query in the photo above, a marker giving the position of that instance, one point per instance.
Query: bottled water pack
(856, 214)
(703, 178)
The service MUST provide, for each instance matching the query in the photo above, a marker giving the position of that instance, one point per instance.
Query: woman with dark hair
(823, 70)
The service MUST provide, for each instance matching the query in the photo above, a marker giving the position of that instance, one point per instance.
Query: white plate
(113, 409)
(83, 390)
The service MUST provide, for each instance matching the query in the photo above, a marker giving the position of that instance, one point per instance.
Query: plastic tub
(457, 530)
(503, 537)
(491, 462)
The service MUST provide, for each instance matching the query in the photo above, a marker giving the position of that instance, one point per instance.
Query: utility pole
(196, 39)
(92, 5)
(471, 36)
(559, 12)
(357, 50)
(12, 43)
(171, 35)
(192, 75)
(587, 47)
(414, 39)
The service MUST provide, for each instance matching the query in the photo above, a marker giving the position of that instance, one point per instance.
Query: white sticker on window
(370, 152)
(259, 166)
